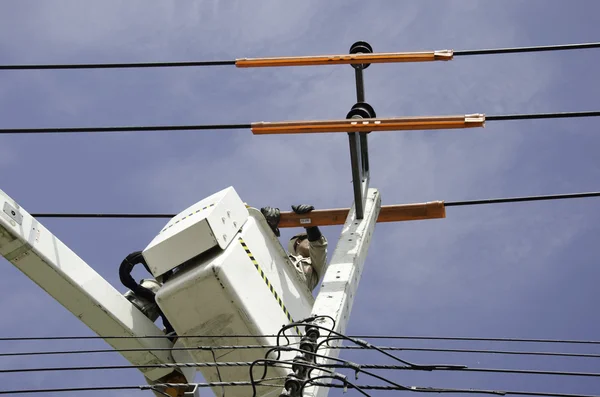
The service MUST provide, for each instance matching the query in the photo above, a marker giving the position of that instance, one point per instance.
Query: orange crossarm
(388, 213)
(366, 125)
(383, 57)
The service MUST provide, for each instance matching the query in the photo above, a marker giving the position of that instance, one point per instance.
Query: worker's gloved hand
(302, 208)
(313, 232)
(272, 215)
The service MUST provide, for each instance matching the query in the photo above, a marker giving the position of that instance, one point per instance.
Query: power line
(399, 337)
(128, 65)
(522, 199)
(249, 363)
(537, 116)
(509, 50)
(446, 204)
(471, 339)
(117, 65)
(452, 338)
(124, 129)
(70, 130)
(387, 348)
(514, 393)
(246, 383)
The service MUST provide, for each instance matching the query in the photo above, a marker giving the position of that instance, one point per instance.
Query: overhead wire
(233, 347)
(452, 338)
(434, 390)
(219, 364)
(513, 50)
(522, 199)
(122, 65)
(247, 383)
(334, 335)
(195, 127)
(232, 62)
(124, 129)
(346, 364)
(446, 204)
(538, 116)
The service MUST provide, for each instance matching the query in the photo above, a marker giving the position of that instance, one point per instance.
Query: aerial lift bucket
(232, 284)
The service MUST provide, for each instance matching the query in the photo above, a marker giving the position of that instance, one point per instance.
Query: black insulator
(363, 110)
(361, 47)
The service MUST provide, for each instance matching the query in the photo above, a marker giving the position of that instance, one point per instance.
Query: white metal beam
(42, 257)
(341, 279)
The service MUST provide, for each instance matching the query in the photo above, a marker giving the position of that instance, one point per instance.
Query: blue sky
(514, 270)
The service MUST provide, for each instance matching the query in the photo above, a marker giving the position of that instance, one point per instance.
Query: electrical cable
(361, 368)
(366, 344)
(129, 65)
(389, 348)
(397, 386)
(452, 338)
(311, 327)
(489, 370)
(124, 65)
(522, 199)
(307, 322)
(369, 346)
(537, 116)
(509, 50)
(287, 348)
(348, 364)
(64, 130)
(273, 362)
(479, 339)
(138, 387)
(446, 204)
(246, 383)
(341, 378)
(434, 390)
(321, 367)
(125, 129)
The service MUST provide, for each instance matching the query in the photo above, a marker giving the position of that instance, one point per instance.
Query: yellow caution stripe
(187, 216)
(266, 280)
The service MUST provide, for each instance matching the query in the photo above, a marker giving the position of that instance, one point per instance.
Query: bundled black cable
(128, 281)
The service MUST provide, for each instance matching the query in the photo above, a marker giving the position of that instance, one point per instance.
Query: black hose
(128, 281)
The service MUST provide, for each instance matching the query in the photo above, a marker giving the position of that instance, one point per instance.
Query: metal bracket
(13, 213)
(359, 146)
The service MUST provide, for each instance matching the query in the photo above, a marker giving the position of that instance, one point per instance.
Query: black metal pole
(359, 146)
(357, 177)
(364, 142)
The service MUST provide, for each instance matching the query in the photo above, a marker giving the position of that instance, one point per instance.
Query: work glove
(302, 208)
(313, 232)
(272, 215)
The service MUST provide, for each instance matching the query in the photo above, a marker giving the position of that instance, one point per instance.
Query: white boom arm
(47, 261)
(341, 279)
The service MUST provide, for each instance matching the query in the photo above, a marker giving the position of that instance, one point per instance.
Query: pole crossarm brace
(341, 279)
(411, 123)
(388, 213)
(352, 59)
(53, 266)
